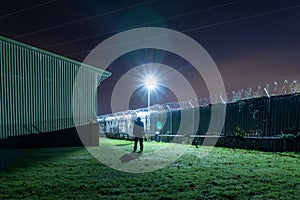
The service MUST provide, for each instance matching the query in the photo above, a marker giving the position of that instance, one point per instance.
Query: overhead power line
(143, 24)
(201, 27)
(242, 18)
(84, 19)
(26, 9)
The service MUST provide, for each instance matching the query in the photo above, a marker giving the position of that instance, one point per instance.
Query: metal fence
(255, 117)
(36, 90)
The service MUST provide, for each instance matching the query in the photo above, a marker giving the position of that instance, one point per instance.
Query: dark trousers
(136, 140)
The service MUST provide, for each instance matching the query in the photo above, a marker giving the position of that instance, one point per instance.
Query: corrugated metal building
(37, 88)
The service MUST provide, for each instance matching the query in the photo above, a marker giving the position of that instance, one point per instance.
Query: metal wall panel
(36, 89)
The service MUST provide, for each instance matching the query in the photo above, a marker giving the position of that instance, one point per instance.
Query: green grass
(72, 173)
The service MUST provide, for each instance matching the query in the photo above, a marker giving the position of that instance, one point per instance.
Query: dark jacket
(138, 129)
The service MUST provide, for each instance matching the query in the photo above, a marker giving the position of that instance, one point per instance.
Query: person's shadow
(129, 156)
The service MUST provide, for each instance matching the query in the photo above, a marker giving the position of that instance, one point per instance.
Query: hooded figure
(138, 133)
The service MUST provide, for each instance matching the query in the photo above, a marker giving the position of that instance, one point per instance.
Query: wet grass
(72, 173)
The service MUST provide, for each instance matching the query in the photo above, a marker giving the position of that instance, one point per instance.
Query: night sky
(252, 42)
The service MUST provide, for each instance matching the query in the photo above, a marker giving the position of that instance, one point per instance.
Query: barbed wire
(275, 89)
(269, 90)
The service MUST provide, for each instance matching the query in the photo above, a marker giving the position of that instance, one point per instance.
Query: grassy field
(72, 173)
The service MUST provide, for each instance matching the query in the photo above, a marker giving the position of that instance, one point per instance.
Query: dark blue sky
(249, 51)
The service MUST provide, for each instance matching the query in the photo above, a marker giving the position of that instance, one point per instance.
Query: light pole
(150, 83)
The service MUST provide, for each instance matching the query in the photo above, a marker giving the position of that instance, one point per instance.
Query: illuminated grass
(72, 173)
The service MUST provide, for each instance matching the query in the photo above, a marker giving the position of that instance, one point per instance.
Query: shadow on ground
(14, 158)
(129, 156)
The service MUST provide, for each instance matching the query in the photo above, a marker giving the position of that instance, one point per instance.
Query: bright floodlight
(150, 82)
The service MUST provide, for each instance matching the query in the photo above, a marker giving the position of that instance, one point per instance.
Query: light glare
(150, 82)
